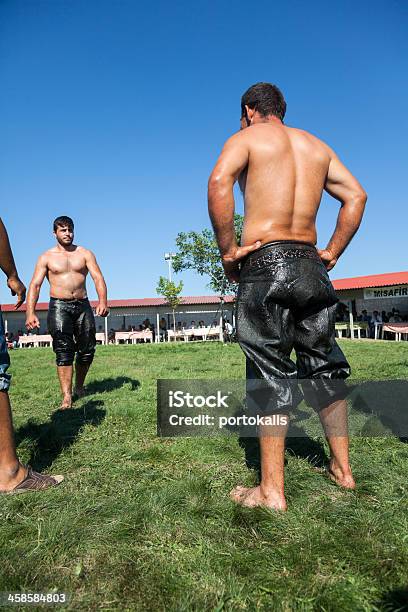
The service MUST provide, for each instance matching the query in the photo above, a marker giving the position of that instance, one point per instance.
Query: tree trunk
(174, 322)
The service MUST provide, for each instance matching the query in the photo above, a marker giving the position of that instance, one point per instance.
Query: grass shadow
(46, 441)
(111, 384)
(394, 601)
(385, 405)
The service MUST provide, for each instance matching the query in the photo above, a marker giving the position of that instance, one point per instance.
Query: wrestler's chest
(65, 263)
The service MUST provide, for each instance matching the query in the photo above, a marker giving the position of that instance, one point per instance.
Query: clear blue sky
(114, 112)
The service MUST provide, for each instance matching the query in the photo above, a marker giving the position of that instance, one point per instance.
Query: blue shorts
(4, 359)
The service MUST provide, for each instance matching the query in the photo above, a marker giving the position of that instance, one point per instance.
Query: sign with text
(399, 291)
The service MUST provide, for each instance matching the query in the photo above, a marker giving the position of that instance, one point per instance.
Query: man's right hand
(231, 260)
(17, 288)
(32, 322)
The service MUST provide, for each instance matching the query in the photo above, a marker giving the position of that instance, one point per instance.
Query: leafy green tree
(199, 251)
(171, 293)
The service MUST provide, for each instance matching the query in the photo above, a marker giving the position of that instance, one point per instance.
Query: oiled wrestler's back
(283, 183)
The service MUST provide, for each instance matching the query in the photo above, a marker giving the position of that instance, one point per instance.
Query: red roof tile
(138, 303)
(373, 280)
(340, 284)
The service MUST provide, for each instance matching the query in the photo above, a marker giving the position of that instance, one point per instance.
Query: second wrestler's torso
(282, 184)
(66, 273)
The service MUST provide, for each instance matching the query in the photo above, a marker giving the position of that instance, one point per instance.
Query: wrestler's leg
(332, 418)
(60, 326)
(11, 470)
(84, 330)
(65, 373)
(267, 348)
(270, 493)
(320, 359)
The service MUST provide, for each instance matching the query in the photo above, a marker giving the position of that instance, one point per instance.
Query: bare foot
(340, 478)
(255, 497)
(66, 402)
(11, 478)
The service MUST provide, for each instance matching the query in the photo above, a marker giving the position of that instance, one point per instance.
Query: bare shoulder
(80, 250)
(311, 140)
(237, 139)
(45, 257)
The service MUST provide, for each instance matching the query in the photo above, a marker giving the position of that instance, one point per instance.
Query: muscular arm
(100, 285)
(34, 291)
(232, 161)
(9, 267)
(343, 186)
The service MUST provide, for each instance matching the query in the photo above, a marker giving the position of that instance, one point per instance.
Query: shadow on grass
(394, 601)
(385, 404)
(46, 441)
(111, 384)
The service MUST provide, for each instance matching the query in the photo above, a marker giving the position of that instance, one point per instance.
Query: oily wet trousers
(71, 324)
(286, 302)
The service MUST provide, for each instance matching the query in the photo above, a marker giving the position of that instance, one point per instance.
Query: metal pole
(157, 328)
(169, 258)
(222, 319)
(106, 329)
(170, 266)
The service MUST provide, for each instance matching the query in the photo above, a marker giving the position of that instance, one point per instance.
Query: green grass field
(142, 523)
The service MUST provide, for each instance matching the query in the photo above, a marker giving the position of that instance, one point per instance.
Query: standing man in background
(285, 298)
(71, 322)
(14, 477)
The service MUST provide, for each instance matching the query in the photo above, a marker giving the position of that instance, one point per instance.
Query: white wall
(197, 312)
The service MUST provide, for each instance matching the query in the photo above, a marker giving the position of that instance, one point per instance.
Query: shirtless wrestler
(70, 320)
(285, 299)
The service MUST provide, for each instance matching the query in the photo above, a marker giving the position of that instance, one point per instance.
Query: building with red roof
(373, 292)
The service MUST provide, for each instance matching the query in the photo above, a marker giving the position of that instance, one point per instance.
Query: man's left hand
(328, 258)
(102, 310)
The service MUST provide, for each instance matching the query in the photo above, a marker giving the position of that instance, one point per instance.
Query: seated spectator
(384, 316)
(342, 312)
(192, 325)
(365, 317)
(179, 327)
(376, 318)
(162, 329)
(228, 327)
(17, 338)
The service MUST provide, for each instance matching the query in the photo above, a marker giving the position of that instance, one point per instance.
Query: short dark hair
(265, 98)
(62, 222)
